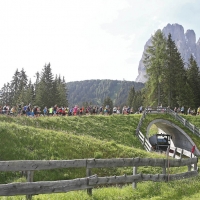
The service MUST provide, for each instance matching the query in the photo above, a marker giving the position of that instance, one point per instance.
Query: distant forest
(95, 91)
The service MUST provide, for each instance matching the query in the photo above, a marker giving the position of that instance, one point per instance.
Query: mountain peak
(185, 42)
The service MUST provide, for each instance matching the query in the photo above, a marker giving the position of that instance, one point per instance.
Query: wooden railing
(177, 152)
(90, 181)
(176, 116)
(183, 121)
(174, 152)
(145, 142)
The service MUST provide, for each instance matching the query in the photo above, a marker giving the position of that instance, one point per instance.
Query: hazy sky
(85, 39)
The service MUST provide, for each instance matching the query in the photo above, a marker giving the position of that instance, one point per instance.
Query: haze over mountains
(185, 42)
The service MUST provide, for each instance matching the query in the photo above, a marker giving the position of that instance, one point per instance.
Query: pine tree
(174, 75)
(15, 86)
(155, 61)
(62, 90)
(131, 97)
(138, 101)
(193, 79)
(29, 94)
(169, 80)
(44, 88)
(6, 94)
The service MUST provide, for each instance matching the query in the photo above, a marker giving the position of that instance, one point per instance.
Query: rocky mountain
(185, 42)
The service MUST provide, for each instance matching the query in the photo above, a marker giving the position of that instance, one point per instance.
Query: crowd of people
(35, 111)
(189, 110)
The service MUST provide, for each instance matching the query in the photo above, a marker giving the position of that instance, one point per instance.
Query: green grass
(177, 190)
(119, 128)
(22, 142)
(63, 138)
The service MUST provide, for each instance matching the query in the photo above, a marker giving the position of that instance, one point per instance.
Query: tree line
(47, 90)
(94, 92)
(172, 81)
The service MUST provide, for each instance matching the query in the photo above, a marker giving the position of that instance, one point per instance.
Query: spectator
(189, 111)
(45, 110)
(198, 110)
(182, 109)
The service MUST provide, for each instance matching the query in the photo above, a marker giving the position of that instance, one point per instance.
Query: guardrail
(183, 121)
(44, 187)
(145, 142)
(176, 116)
(177, 152)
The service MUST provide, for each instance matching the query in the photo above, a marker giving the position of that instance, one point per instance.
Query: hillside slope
(62, 138)
(95, 91)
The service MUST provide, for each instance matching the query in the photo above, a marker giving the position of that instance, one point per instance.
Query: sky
(85, 39)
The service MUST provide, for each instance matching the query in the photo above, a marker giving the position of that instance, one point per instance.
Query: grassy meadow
(65, 138)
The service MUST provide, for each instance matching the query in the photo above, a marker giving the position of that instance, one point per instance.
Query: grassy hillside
(55, 138)
(118, 128)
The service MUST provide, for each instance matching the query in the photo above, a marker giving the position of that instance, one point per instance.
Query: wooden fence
(175, 115)
(174, 152)
(183, 121)
(145, 142)
(177, 152)
(30, 188)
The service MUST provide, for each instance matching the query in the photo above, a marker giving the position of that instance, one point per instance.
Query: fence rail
(177, 152)
(183, 121)
(47, 187)
(90, 181)
(145, 142)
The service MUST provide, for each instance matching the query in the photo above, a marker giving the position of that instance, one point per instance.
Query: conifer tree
(181, 81)
(29, 94)
(169, 80)
(44, 88)
(62, 90)
(193, 79)
(155, 61)
(131, 96)
(138, 101)
(174, 75)
(6, 94)
(15, 86)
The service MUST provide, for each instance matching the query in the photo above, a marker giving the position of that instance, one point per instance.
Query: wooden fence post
(164, 167)
(181, 153)
(29, 178)
(195, 166)
(144, 141)
(89, 173)
(134, 173)
(189, 168)
(174, 152)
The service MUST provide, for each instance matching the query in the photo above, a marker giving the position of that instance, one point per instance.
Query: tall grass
(22, 142)
(119, 128)
(186, 189)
